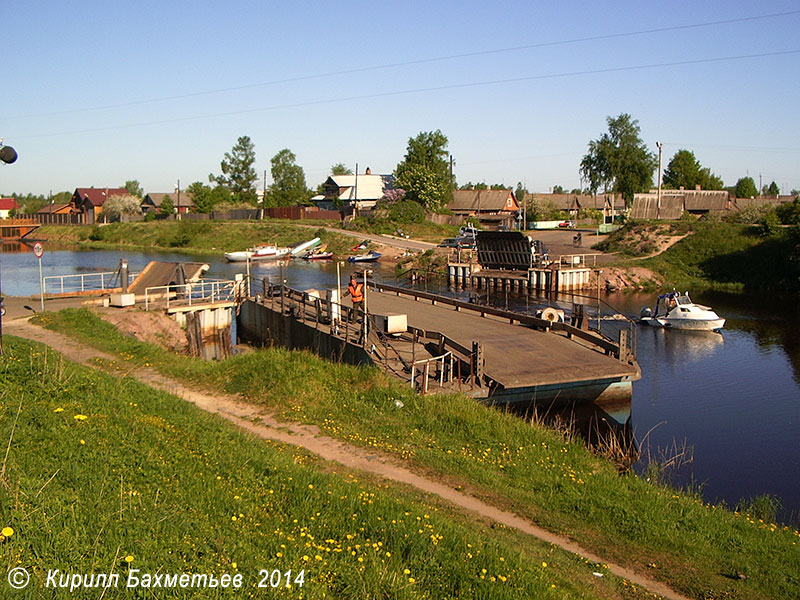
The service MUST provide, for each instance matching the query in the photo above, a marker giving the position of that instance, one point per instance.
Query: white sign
(38, 250)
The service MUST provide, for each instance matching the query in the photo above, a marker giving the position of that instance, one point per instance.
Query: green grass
(513, 464)
(200, 237)
(101, 468)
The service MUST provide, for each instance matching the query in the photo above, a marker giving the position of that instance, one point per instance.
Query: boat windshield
(684, 299)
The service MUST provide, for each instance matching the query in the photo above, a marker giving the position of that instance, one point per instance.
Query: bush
(407, 212)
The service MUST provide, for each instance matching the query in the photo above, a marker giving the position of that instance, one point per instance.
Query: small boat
(269, 252)
(371, 256)
(362, 246)
(320, 253)
(305, 246)
(677, 311)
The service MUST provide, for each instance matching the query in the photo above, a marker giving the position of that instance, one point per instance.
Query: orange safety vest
(356, 292)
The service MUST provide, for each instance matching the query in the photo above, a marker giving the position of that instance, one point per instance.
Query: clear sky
(94, 93)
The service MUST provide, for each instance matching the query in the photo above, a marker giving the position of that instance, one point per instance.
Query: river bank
(668, 535)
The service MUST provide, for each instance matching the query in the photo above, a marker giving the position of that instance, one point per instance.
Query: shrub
(407, 212)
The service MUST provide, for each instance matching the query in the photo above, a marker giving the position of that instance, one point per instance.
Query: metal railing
(83, 282)
(442, 374)
(194, 293)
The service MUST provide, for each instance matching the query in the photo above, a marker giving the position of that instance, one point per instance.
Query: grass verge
(674, 537)
(105, 475)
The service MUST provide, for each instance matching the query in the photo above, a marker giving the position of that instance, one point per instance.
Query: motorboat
(268, 252)
(318, 253)
(677, 311)
(299, 249)
(370, 256)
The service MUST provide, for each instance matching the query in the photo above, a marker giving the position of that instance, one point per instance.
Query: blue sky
(96, 93)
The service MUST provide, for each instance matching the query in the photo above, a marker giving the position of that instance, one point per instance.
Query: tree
(619, 159)
(288, 181)
(116, 206)
(206, 198)
(557, 189)
(134, 189)
(340, 169)
(745, 188)
(238, 174)
(425, 171)
(771, 190)
(684, 170)
(519, 193)
(166, 208)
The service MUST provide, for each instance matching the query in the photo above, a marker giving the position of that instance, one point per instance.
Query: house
(181, 201)
(354, 192)
(6, 206)
(610, 204)
(56, 209)
(90, 201)
(491, 208)
(675, 202)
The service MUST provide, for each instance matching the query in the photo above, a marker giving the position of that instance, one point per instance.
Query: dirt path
(264, 425)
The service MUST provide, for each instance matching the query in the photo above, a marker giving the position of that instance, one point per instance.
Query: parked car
(567, 224)
(449, 243)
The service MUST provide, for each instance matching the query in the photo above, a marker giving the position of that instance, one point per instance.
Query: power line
(395, 65)
(422, 90)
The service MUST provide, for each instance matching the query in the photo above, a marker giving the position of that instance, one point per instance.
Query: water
(732, 398)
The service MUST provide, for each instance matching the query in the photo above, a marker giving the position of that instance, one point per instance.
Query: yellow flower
(59, 409)
(544, 564)
(233, 565)
(411, 580)
(80, 417)
(406, 572)
(7, 532)
(129, 559)
(83, 442)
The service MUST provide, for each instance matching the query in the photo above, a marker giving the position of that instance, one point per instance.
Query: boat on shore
(677, 311)
(268, 252)
(299, 249)
(370, 256)
(319, 253)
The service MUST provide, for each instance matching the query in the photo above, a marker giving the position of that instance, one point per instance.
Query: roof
(483, 201)
(645, 206)
(54, 209)
(700, 199)
(370, 187)
(8, 204)
(156, 198)
(98, 196)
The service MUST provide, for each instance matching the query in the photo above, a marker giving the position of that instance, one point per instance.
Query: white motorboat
(300, 249)
(677, 311)
(268, 252)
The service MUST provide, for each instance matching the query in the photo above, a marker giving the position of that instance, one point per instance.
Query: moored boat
(677, 311)
(370, 256)
(268, 252)
(299, 249)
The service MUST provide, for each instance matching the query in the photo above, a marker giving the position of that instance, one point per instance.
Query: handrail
(82, 277)
(608, 346)
(193, 292)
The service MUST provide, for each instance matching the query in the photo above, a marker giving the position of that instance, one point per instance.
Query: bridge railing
(83, 282)
(189, 294)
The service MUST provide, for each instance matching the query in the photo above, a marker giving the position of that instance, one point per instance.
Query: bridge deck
(516, 356)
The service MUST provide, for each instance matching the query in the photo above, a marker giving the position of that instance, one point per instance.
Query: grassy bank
(716, 255)
(105, 475)
(696, 548)
(199, 237)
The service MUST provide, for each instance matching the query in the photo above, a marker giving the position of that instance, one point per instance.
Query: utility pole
(658, 205)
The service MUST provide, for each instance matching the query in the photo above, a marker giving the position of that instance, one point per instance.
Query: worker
(356, 291)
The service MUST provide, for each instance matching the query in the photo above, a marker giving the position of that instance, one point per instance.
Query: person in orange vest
(356, 291)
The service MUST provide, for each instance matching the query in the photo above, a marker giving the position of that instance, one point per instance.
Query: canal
(732, 399)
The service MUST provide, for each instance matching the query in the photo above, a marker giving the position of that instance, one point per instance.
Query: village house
(90, 201)
(182, 202)
(353, 193)
(490, 208)
(610, 205)
(6, 206)
(675, 203)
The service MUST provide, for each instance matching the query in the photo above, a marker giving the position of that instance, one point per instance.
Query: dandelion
(83, 442)
(7, 532)
(80, 417)
(406, 572)
(57, 410)
(234, 565)
(129, 558)
(544, 564)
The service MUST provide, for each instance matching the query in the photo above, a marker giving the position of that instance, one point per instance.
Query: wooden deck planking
(516, 356)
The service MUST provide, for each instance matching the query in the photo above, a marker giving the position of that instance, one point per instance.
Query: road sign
(38, 250)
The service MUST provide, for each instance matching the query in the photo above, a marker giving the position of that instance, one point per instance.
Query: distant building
(353, 193)
(182, 202)
(609, 204)
(490, 208)
(674, 203)
(90, 201)
(6, 206)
